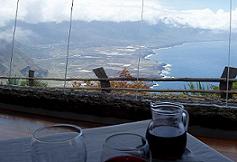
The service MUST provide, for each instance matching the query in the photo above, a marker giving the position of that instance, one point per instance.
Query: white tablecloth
(18, 150)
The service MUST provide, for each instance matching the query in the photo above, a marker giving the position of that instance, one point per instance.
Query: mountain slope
(20, 59)
(98, 33)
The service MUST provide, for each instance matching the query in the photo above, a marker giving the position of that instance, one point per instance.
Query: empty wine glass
(58, 143)
(125, 147)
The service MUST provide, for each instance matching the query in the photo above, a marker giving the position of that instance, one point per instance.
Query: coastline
(166, 67)
(164, 47)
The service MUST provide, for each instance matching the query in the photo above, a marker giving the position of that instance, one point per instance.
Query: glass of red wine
(166, 133)
(126, 147)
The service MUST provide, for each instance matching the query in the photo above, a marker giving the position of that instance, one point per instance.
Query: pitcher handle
(185, 119)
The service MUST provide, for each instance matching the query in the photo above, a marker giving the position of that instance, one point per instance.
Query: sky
(207, 14)
(197, 4)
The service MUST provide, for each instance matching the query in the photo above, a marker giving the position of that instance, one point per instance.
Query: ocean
(199, 59)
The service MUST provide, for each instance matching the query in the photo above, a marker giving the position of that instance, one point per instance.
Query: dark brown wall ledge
(97, 106)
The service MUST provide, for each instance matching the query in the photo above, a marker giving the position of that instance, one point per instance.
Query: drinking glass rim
(128, 149)
(155, 109)
(76, 128)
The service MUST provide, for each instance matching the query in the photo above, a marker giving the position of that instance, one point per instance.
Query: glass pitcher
(166, 133)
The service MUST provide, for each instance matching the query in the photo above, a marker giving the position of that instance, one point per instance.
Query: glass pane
(191, 40)
(177, 38)
(232, 50)
(41, 39)
(105, 34)
(6, 13)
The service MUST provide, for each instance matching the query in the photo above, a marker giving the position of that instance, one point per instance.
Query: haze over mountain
(43, 45)
(108, 33)
(20, 61)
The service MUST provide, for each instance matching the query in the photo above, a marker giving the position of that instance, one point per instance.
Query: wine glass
(58, 143)
(126, 147)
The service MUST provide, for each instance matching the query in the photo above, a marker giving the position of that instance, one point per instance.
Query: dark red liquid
(166, 142)
(126, 159)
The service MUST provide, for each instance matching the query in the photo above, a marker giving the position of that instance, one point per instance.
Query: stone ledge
(101, 106)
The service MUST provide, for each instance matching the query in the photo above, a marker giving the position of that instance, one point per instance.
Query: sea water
(198, 59)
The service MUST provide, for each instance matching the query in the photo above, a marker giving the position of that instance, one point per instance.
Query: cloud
(7, 11)
(87, 10)
(6, 35)
(35, 11)
(22, 35)
(205, 18)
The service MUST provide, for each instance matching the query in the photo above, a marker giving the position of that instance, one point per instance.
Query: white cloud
(22, 35)
(6, 11)
(205, 18)
(113, 10)
(116, 10)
